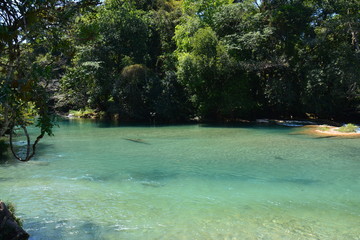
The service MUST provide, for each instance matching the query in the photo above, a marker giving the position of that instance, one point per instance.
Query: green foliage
(108, 40)
(34, 47)
(86, 113)
(174, 59)
(118, 62)
(173, 104)
(203, 9)
(184, 32)
(348, 128)
(137, 90)
(218, 88)
(217, 59)
(161, 44)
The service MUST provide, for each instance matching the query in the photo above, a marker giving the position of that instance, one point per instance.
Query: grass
(324, 128)
(86, 113)
(348, 128)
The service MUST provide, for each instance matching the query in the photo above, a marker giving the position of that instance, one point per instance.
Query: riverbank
(318, 127)
(329, 131)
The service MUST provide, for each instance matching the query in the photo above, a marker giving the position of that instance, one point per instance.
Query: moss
(348, 128)
(11, 207)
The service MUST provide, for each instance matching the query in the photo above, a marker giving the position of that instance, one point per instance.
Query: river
(96, 180)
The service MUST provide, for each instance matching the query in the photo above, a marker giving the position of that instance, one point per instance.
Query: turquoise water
(90, 181)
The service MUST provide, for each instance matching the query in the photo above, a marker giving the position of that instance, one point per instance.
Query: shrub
(348, 128)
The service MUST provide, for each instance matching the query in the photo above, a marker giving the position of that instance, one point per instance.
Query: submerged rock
(136, 140)
(9, 228)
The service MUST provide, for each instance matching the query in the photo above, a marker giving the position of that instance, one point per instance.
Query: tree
(229, 59)
(30, 49)
(136, 91)
(204, 9)
(332, 80)
(108, 39)
(116, 46)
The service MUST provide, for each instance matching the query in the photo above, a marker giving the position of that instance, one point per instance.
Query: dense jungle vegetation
(173, 60)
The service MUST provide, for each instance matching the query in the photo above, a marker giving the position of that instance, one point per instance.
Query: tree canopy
(32, 53)
(174, 60)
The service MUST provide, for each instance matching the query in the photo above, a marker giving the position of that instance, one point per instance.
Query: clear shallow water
(186, 182)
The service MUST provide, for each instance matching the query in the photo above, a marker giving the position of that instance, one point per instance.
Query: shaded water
(100, 181)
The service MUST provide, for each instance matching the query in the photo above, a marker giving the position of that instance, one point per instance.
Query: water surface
(102, 181)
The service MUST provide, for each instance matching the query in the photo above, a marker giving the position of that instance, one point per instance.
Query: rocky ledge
(9, 228)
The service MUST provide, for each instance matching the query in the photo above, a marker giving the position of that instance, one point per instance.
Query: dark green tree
(31, 52)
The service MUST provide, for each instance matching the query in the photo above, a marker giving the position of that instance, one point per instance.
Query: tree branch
(27, 142)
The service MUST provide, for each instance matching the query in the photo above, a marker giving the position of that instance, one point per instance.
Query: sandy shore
(331, 131)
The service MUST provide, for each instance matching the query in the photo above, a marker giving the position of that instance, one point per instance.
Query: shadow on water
(4, 159)
(324, 137)
(46, 229)
(299, 181)
(101, 123)
(154, 175)
(9, 160)
(91, 230)
(63, 229)
(252, 179)
(136, 140)
(157, 177)
(160, 177)
(253, 125)
(5, 179)
(41, 150)
(111, 123)
(279, 158)
(151, 178)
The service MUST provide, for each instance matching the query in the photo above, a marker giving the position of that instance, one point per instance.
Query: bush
(348, 128)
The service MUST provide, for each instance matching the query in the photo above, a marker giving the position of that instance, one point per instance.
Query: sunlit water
(90, 181)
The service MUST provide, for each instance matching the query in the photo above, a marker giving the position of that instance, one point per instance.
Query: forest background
(175, 60)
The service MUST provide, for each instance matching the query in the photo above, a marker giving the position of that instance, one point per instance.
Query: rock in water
(9, 229)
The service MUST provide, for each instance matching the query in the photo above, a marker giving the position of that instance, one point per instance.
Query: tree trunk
(354, 33)
(28, 155)
(35, 144)
(354, 40)
(27, 145)
(9, 229)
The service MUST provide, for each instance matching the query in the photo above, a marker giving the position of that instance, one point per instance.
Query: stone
(9, 228)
